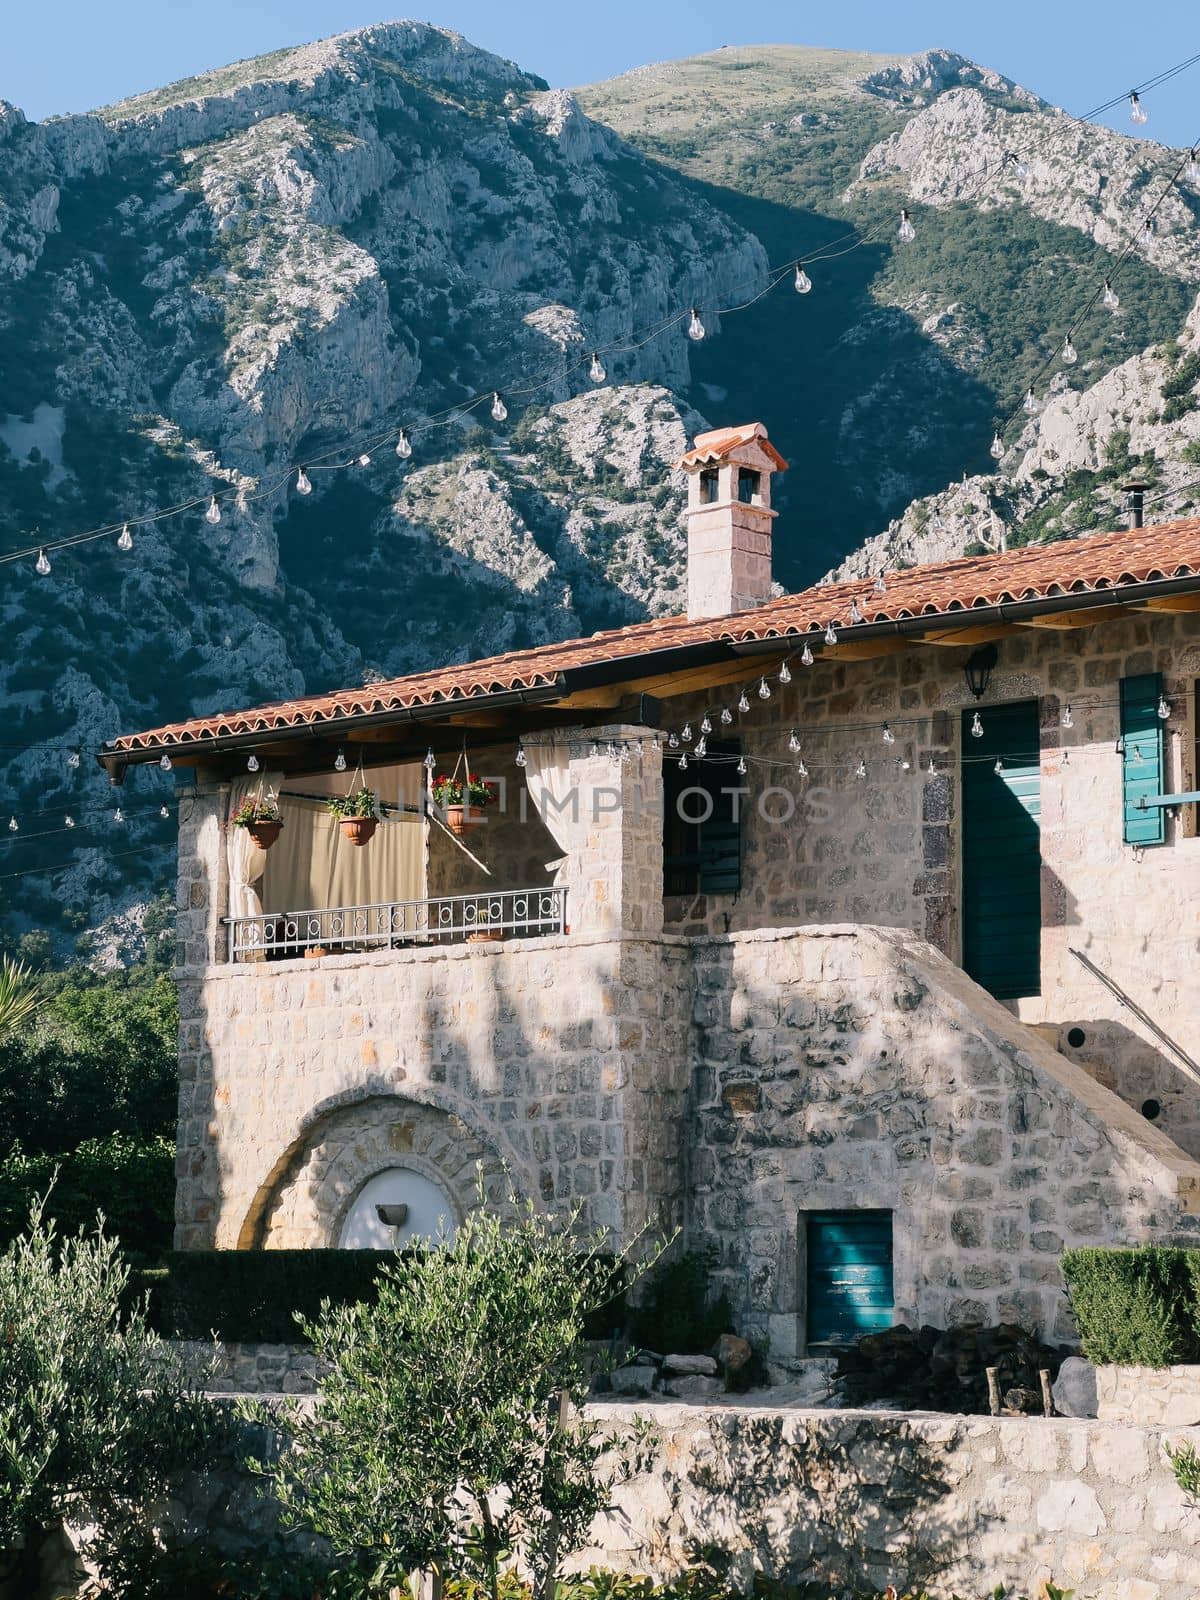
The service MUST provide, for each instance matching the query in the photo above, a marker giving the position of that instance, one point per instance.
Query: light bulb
(672, 740)
(830, 634)
(888, 736)
(1191, 172)
(764, 690)
(806, 655)
(213, 515)
(1137, 111)
(905, 232)
(68, 822)
(596, 371)
(683, 762)
(997, 447)
(976, 727)
(403, 448)
(593, 749)
(610, 750)
(1146, 232)
(803, 281)
(1068, 721)
(13, 825)
(430, 760)
(999, 767)
(801, 769)
(793, 742)
(741, 766)
(163, 811)
(520, 757)
(881, 584)
(785, 673)
(695, 328)
(726, 715)
(687, 732)
(706, 723)
(931, 769)
(499, 409)
(164, 762)
(1018, 166)
(252, 762)
(701, 747)
(656, 744)
(42, 565)
(1069, 353)
(364, 460)
(125, 539)
(73, 759)
(118, 815)
(303, 482)
(860, 770)
(856, 615)
(939, 523)
(1110, 299)
(1164, 707)
(1031, 402)
(905, 764)
(339, 762)
(743, 703)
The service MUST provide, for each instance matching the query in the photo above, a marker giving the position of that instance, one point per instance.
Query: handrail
(1132, 1006)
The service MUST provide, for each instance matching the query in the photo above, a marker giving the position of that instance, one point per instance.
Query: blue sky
(71, 55)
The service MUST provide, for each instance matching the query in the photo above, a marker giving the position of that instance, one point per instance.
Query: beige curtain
(246, 861)
(548, 779)
(312, 867)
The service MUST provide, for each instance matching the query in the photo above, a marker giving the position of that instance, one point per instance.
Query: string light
(806, 655)
(68, 822)
(931, 769)
(403, 447)
(741, 766)
(860, 770)
(999, 767)
(706, 723)
(726, 715)
(1069, 354)
(683, 762)
(801, 769)
(888, 736)
(686, 735)
(521, 757)
(118, 815)
(213, 515)
(1110, 299)
(1068, 721)
(1191, 171)
(701, 747)
(125, 540)
(743, 703)
(830, 633)
(364, 459)
(1137, 111)
(596, 371)
(793, 742)
(1164, 708)
(73, 760)
(997, 447)
(1018, 166)
(856, 615)
(1146, 232)
(42, 565)
(906, 233)
(764, 690)
(13, 825)
(1031, 402)
(339, 761)
(499, 409)
(672, 740)
(252, 762)
(785, 673)
(165, 762)
(803, 281)
(593, 749)
(976, 727)
(695, 328)
(430, 761)
(880, 584)
(164, 811)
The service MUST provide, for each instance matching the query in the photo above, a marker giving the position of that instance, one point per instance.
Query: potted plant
(463, 800)
(259, 815)
(355, 813)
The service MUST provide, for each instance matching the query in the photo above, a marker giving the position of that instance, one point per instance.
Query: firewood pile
(939, 1369)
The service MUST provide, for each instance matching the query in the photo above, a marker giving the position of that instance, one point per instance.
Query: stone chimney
(729, 519)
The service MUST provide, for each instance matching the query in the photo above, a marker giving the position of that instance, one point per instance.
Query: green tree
(19, 997)
(448, 1435)
(93, 1418)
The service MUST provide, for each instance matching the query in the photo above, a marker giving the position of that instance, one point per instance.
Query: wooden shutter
(703, 857)
(849, 1275)
(1142, 758)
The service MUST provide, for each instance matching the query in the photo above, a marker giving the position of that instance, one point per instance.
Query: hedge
(1138, 1307)
(253, 1296)
(127, 1180)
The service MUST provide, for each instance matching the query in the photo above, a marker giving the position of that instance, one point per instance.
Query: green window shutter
(1142, 758)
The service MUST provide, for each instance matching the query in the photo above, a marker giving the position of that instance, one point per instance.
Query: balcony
(394, 925)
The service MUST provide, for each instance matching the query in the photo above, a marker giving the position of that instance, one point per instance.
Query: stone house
(852, 931)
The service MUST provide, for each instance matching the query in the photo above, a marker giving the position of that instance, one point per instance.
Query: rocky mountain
(284, 261)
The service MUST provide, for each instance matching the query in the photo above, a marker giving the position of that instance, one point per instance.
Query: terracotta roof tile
(1045, 571)
(720, 442)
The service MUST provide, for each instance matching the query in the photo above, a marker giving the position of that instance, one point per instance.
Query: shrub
(1135, 1307)
(129, 1182)
(678, 1313)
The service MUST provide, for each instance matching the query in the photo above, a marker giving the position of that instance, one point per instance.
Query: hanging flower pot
(355, 814)
(265, 831)
(460, 821)
(463, 800)
(358, 830)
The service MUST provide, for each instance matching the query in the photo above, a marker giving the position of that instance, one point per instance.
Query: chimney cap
(719, 443)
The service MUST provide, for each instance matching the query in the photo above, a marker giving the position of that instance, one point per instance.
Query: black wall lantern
(978, 669)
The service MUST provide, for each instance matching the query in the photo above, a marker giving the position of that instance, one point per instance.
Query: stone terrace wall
(886, 851)
(862, 1498)
(849, 1067)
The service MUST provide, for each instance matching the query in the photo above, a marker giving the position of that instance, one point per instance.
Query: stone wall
(848, 1068)
(886, 851)
(863, 1498)
(1166, 1397)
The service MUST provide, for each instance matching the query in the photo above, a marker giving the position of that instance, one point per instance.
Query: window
(849, 1275)
(708, 486)
(702, 845)
(749, 486)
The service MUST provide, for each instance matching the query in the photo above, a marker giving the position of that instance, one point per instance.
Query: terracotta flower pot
(265, 831)
(459, 820)
(484, 936)
(358, 830)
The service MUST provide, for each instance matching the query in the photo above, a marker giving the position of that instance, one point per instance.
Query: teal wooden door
(1001, 850)
(849, 1275)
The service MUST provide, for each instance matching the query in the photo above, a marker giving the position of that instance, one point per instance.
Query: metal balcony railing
(508, 913)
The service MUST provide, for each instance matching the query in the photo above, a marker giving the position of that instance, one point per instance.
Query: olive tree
(447, 1437)
(93, 1418)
